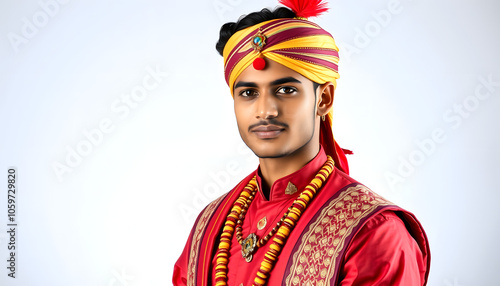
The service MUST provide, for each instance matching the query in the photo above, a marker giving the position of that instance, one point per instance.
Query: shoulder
(394, 255)
(339, 178)
(389, 237)
(382, 226)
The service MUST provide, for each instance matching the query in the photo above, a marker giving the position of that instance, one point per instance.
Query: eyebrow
(276, 82)
(245, 83)
(285, 80)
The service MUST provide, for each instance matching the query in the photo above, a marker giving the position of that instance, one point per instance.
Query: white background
(116, 209)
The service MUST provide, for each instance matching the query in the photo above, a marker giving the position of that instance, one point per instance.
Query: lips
(267, 131)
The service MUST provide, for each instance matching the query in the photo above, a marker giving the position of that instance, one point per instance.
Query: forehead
(272, 72)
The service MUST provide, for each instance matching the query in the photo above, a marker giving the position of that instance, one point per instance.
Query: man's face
(275, 110)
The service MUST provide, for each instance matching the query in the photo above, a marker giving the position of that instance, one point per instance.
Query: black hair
(315, 85)
(228, 29)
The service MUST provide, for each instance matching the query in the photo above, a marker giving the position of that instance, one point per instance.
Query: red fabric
(334, 150)
(381, 253)
(180, 267)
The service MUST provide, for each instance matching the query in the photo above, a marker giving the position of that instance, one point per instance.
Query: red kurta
(348, 235)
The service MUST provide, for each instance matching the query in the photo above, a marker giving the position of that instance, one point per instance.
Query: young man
(299, 219)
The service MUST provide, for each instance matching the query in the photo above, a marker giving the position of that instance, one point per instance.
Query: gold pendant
(248, 247)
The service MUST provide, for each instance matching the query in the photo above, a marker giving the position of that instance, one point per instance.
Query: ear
(326, 93)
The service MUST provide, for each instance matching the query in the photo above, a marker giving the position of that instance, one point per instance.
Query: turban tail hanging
(297, 44)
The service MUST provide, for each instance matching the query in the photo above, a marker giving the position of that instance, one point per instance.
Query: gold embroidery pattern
(197, 236)
(315, 261)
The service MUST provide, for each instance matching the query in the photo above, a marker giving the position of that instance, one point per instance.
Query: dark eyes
(284, 90)
(248, 93)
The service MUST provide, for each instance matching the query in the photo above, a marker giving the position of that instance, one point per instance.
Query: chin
(275, 155)
(269, 152)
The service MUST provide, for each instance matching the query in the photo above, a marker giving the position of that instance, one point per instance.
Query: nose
(267, 107)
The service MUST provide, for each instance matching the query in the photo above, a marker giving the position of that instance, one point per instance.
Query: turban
(298, 44)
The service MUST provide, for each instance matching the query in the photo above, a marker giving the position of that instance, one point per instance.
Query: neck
(273, 169)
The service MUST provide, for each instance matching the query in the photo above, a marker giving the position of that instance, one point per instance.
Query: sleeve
(383, 253)
(180, 268)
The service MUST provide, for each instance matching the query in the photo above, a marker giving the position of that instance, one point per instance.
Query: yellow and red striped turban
(298, 44)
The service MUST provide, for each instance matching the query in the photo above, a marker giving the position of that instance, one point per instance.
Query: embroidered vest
(318, 254)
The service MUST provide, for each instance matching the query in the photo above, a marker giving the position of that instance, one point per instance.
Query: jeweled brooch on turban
(258, 41)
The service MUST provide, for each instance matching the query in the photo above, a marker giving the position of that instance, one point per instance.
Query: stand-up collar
(291, 185)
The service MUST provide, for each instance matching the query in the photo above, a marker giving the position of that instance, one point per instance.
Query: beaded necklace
(280, 232)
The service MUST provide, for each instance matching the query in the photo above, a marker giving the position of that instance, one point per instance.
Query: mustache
(268, 122)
